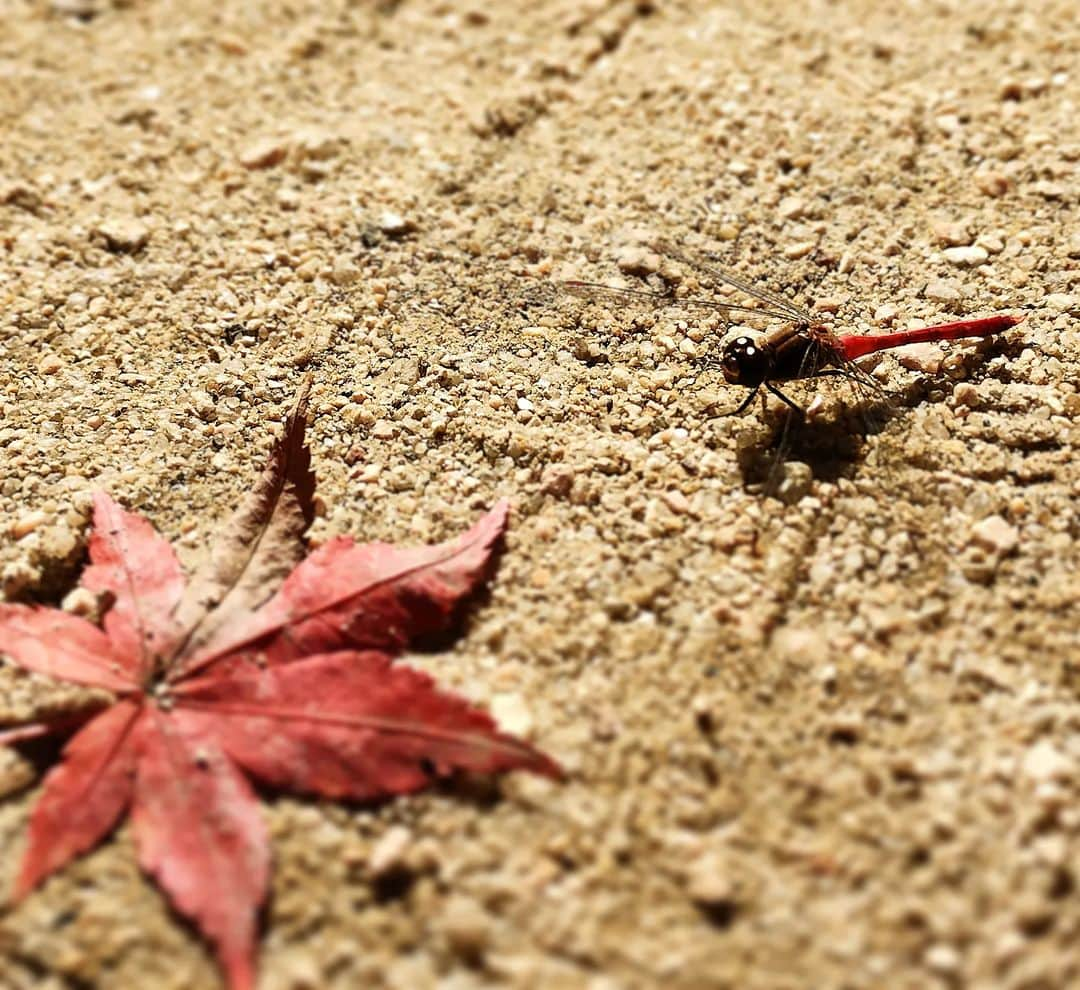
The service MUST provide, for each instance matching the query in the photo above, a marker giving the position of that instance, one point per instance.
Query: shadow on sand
(783, 457)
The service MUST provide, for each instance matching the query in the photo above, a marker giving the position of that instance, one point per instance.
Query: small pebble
(803, 644)
(1050, 190)
(467, 926)
(949, 123)
(992, 184)
(25, 524)
(951, 233)
(344, 273)
(942, 292)
(966, 394)
(50, 364)
(1061, 302)
(388, 854)
(512, 714)
(994, 533)
(288, 199)
(942, 958)
(973, 255)
(799, 250)
(994, 245)
(557, 481)
(926, 358)
(709, 882)
(123, 235)
(82, 602)
(846, 727)
(21, 195)
(1044, 761)
(638, 260)
(264, 154)
(17, 576)
(394, 224)
(797, 481)
(232, 45)
(308, 270)
(315, 145)
(885, 315)
(677, 502)
(1009, 947)
(791, 207)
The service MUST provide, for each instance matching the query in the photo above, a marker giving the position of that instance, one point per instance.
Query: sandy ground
(825, 741)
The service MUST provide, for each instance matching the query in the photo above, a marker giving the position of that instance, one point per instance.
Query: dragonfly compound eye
(745, 362)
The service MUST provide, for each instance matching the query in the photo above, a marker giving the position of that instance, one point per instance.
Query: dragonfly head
(745, 360)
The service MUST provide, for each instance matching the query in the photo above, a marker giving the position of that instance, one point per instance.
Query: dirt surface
(830, 739)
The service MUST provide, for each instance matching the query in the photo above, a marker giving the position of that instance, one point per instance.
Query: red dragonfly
(802, 347)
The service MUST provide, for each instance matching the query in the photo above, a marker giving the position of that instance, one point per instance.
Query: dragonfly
(801, 347)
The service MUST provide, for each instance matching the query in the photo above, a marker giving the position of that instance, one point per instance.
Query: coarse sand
(829, 739)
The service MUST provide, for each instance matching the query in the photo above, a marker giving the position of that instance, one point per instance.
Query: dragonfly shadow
(830, 448)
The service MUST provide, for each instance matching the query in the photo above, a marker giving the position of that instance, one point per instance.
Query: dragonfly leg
(783, 398)
(742, 408)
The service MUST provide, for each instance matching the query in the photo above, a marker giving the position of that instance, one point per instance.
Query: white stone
(389, 852)
(942, 958)
(1044, 762)
(995, 534)
(264, 154)
(511, 713)
(973, 255)
(394, 223)
(926, 358)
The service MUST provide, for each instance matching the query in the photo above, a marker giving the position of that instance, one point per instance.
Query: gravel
(824, 740)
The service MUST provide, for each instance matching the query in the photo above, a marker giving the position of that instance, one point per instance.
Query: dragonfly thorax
(747, 361)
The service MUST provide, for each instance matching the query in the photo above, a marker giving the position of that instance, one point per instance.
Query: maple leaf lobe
(258, 545)
(138, 569)
(84, 796)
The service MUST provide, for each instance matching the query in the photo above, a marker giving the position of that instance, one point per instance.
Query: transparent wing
(873, 403)
(777, 303)
(588, 290)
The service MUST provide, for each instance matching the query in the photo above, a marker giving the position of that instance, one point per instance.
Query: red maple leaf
(268, 662)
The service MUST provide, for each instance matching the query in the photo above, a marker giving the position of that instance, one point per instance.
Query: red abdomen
(853, 346)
